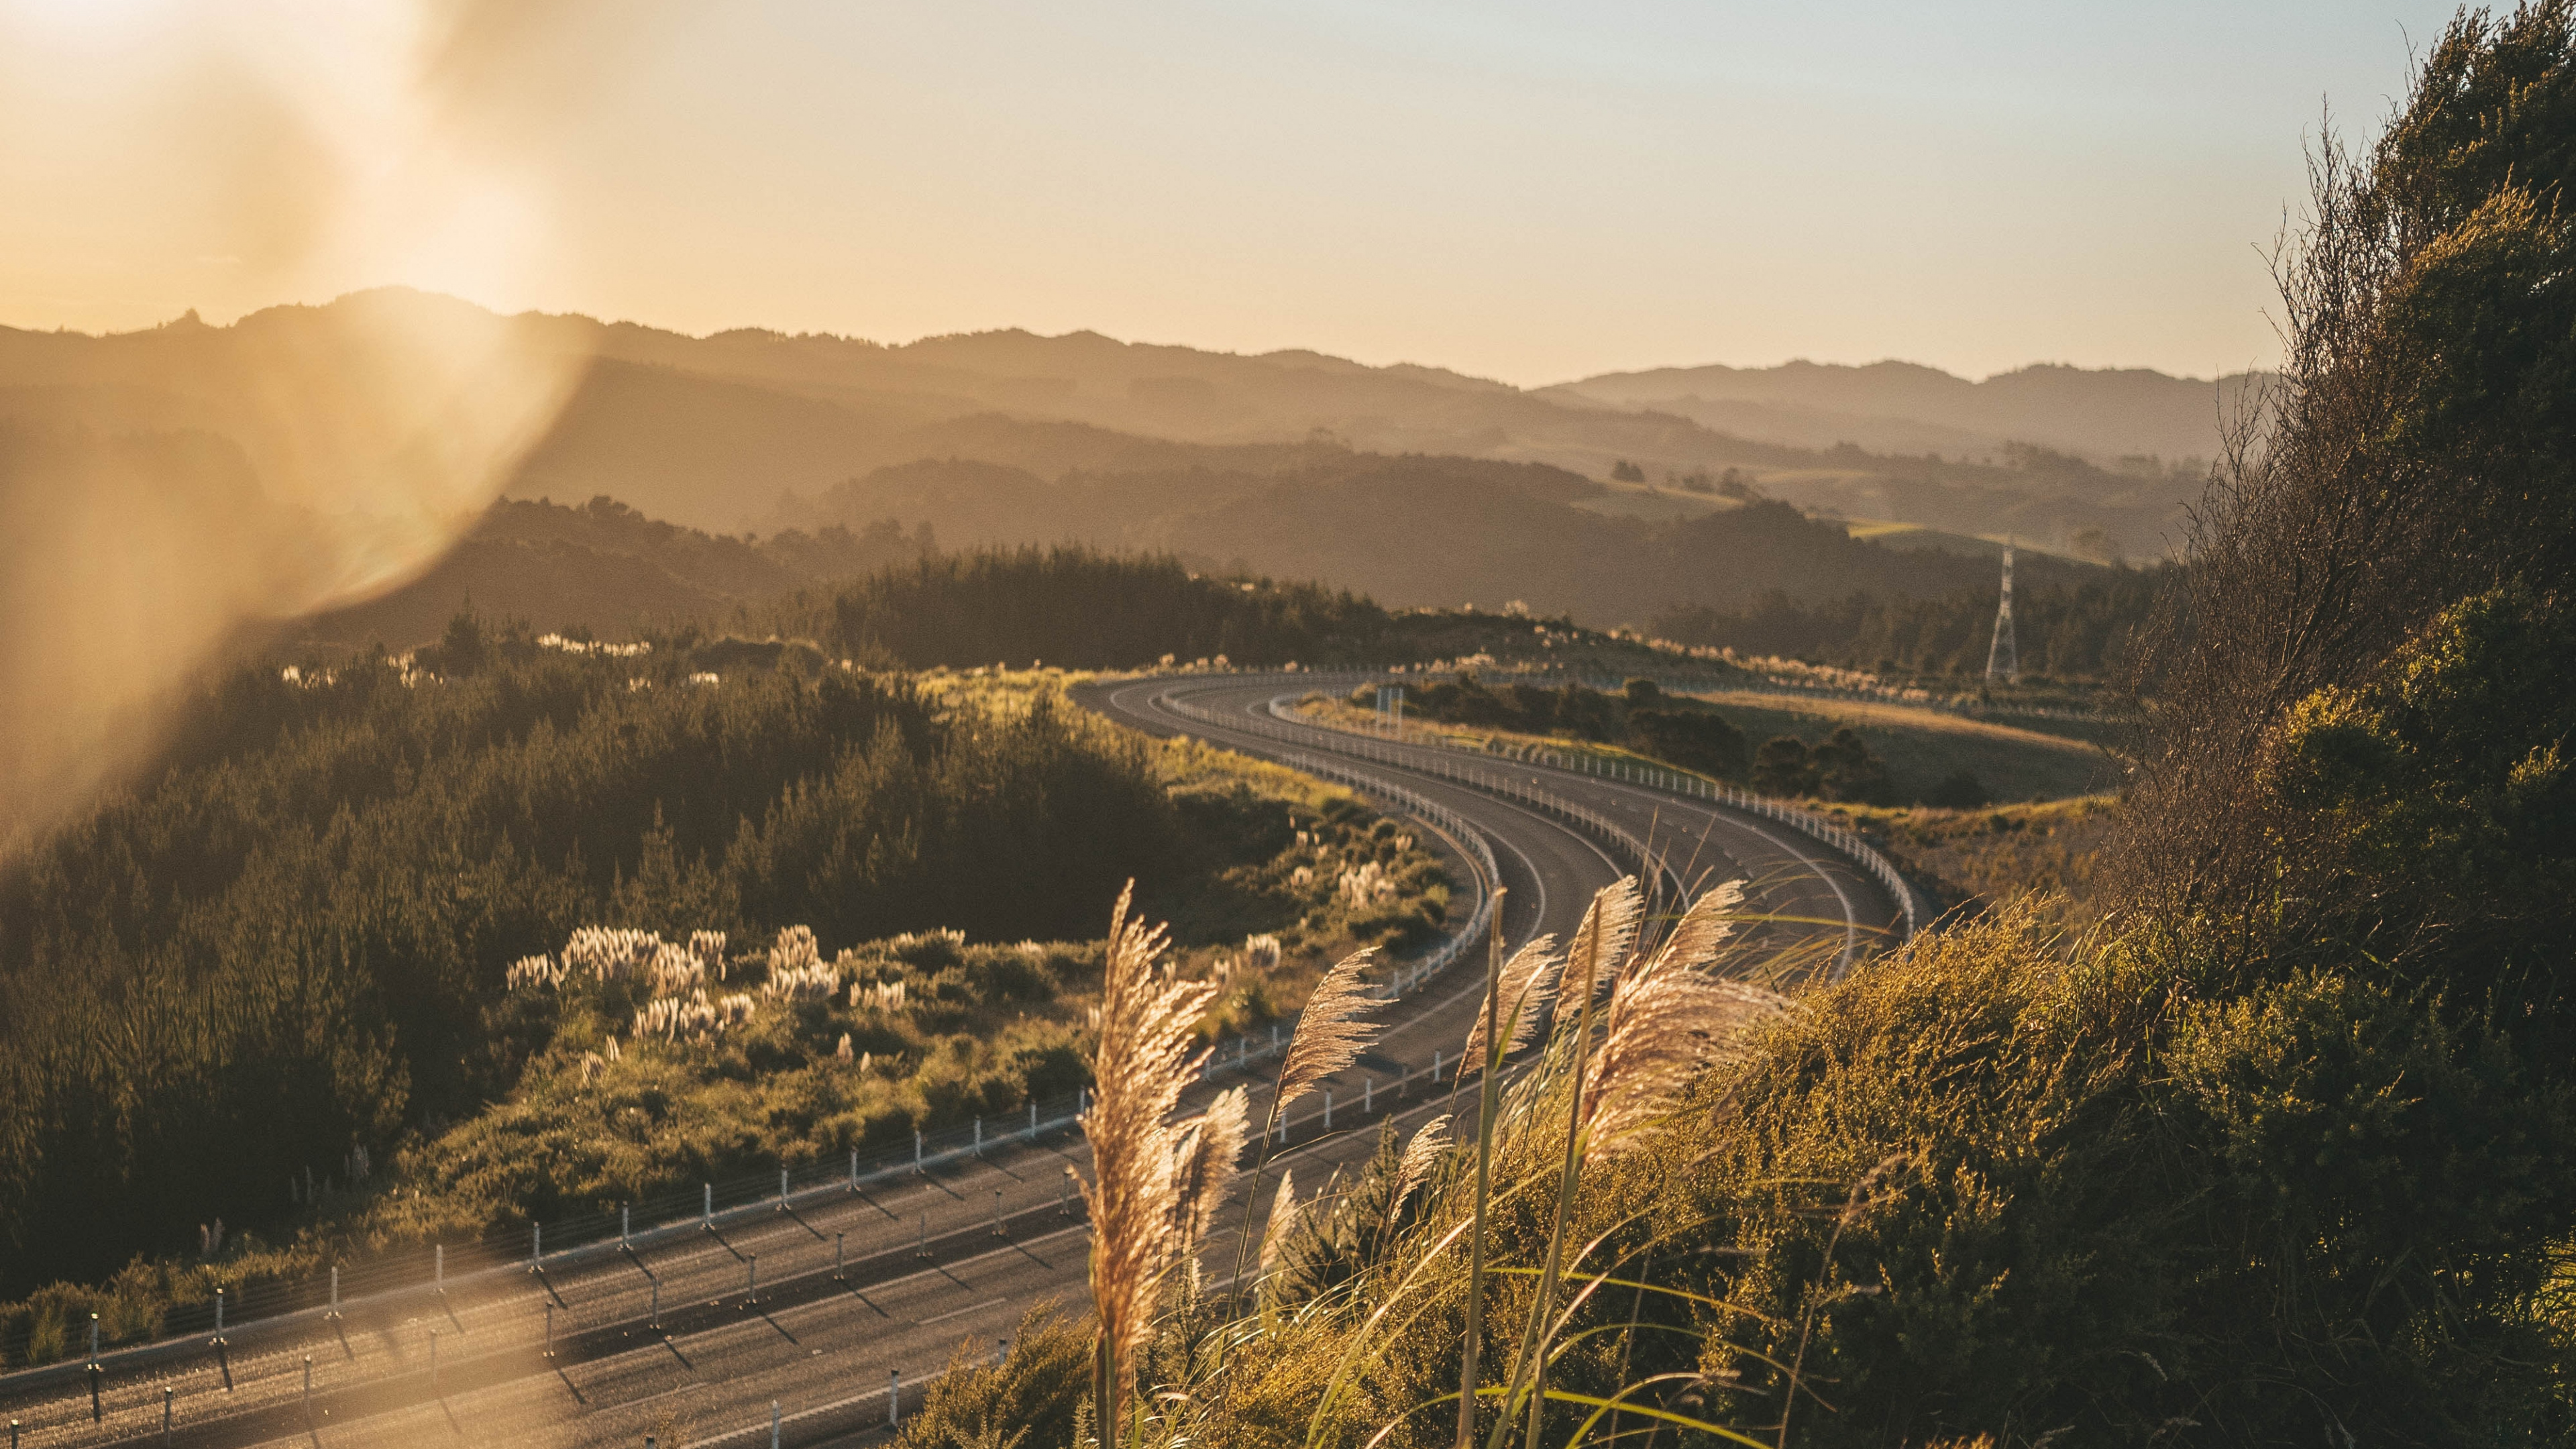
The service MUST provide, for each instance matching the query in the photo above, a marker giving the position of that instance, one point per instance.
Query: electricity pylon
(2003, 661)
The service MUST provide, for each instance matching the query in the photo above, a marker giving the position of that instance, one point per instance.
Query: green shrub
(1034, 1391)
(1694, 739)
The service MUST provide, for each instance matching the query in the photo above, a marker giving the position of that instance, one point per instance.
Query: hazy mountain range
(1417, 484)
(1902, 407)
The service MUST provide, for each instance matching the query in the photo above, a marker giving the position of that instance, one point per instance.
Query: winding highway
(818, 1304)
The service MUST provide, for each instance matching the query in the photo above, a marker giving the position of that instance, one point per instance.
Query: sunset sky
(1530, 192)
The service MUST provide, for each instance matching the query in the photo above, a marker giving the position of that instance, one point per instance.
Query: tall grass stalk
(1648, 1021)
(1600, 944)
(1489, 1098)
(1140, 1065)
(1328, 1038)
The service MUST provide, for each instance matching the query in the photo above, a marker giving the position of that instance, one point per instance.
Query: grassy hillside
(1923, 747)
(2054, 852)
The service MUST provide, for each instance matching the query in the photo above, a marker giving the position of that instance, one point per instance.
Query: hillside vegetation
(302, 919)
(1078, 609)
(1509, 533)
(1781, 744)
(630, 1063)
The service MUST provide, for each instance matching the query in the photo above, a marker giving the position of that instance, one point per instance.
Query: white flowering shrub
(529, 973)
(1366, 885)
(607, 954)
(1261, 953)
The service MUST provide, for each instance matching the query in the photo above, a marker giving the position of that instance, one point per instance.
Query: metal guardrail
(432, 1268)
(1392, 1087)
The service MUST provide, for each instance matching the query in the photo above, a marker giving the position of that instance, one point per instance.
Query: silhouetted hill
(711, 431)
(813, 434)
(1415, 531)
(1406, 532)
(602, 570)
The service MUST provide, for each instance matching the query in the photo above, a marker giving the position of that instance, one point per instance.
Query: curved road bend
(1792, 876)
(819, 1344)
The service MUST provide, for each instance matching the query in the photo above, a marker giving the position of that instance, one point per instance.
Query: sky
(1527, 192)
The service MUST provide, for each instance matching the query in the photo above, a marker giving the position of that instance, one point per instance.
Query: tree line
(2061, 630)
(1081, 609)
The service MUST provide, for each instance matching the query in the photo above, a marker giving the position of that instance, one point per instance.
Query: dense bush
(1837, 767)
(1695, 739)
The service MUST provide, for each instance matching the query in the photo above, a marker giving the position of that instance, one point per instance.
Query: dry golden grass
(1207, 1163)
(1421, 1154)
(2053, 850)
(1887, 715)
(1283, 1214)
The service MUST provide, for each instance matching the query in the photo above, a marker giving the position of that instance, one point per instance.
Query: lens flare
(164, 494)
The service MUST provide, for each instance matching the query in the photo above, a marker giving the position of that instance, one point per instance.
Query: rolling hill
(712, 431)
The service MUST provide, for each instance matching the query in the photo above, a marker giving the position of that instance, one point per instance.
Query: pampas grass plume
(1528, 981)
(1429, 1141)
(1283, 1211)
(1140, 1064)
(1667, 1018)
(1328, 1038)
(1210, 1157)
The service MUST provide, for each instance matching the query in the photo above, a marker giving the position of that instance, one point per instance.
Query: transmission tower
(2002, 660)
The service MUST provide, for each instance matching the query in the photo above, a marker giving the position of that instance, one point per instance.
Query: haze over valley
(1292, 464)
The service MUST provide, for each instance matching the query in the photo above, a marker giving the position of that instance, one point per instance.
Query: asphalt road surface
(692, 1338)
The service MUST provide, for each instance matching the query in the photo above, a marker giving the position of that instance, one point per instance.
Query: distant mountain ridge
(732, 430)
(1905, 407)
